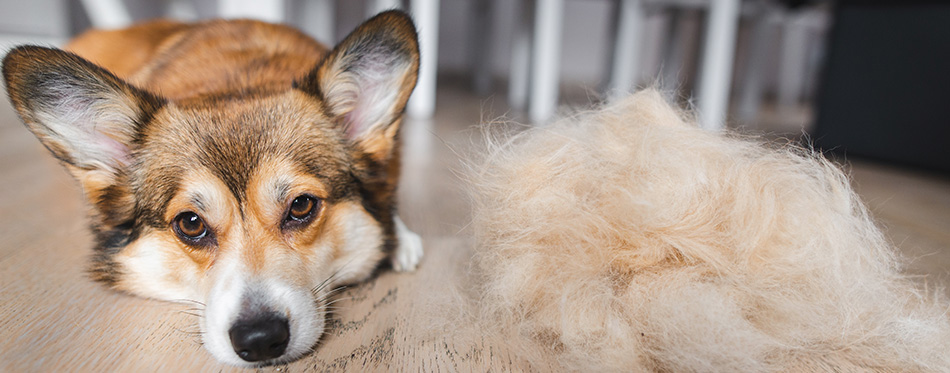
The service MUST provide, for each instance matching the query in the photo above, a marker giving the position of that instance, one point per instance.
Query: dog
(238, 164)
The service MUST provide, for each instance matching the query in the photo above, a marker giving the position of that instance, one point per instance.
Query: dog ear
(87, 117)
(83, 114)
(366, 81)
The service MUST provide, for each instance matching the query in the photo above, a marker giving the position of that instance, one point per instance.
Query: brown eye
(190, 228)
(301, 210)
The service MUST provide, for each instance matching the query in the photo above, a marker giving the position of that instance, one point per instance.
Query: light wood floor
(53, 318)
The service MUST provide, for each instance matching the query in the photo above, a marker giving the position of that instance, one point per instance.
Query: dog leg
(409, 252)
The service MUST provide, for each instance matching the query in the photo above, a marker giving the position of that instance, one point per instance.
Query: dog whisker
(332, 277)
(336, 300)
(189, 332)
(330, 293)
(182, 300)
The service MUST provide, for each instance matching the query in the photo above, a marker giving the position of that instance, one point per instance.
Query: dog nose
(260, 339)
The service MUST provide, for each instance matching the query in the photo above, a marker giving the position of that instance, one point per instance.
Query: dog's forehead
(231, 137)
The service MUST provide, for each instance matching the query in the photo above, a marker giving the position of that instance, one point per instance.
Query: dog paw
(409, 252)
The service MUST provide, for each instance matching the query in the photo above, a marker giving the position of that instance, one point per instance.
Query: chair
(538, 46)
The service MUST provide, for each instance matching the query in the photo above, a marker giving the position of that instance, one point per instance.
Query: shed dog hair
(627, 239)
(236, 164)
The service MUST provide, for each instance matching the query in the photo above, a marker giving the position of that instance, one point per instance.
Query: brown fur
(125, 51)
(230, 120)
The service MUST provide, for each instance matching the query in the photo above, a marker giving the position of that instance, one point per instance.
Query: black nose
(261, 338)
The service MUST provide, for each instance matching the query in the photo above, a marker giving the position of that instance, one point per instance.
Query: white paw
(409, 252)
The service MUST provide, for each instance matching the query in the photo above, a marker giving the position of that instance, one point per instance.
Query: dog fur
(237, 164)
(627, 239)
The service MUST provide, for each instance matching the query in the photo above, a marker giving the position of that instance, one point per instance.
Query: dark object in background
(885, 92)
(795, 4)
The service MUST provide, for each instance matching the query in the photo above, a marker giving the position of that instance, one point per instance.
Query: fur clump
(627, 239)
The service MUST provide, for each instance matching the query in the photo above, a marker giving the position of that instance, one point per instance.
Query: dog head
(255, 205)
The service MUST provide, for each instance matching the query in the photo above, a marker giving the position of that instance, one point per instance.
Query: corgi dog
(238, 164)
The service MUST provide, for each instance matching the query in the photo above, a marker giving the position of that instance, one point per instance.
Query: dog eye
(301, 210)
(190, 228)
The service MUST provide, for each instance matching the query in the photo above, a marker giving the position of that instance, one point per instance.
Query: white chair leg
(182, 10)
(480, 51)
(426, 15)
(719, 47)
(519, 77)
(627, 46)
(793, 65)
(319, 20)
(264, 10)
(374, 7)
(107, 14)
(674, 51)
(750, 99)
(545, 58)
(816, 20)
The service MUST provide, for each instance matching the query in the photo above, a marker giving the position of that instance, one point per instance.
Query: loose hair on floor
(628, 239)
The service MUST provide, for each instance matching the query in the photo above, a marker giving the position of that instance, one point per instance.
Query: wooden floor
(53, 318)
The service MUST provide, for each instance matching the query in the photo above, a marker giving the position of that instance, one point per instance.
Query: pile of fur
(627, 239)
